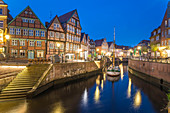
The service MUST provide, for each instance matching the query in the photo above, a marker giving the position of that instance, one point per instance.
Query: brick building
(71, 25)
(84, 47)
(27, 36)
(92, 48)
(55, 37)
(101, 46)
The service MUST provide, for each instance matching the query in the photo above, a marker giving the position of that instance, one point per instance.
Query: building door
(30, 54)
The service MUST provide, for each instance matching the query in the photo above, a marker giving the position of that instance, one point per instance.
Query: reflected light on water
(137, 99)
(59, 108)
(129, 88)
(97, 94)
(121, 71)
(98, 80)
(104, 77)
(85, 97)
(102, 85)
(21, 108)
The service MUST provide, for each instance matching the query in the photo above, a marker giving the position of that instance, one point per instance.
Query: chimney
(46, 24)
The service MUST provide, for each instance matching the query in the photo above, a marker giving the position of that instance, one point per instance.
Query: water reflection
(121, 71)
(85, 97)
(97, 95)
(58, 108)
(137, 99)
(129, 88)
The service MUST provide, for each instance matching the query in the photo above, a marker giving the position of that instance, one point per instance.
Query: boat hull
(113, 74)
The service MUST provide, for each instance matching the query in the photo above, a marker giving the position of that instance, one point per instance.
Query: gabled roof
(99, 42)
(2, 2)
(66, 17)
(53, 21)
(122, 47)
(82, 36)
(144, 41)
(109, 43)
(22, 12)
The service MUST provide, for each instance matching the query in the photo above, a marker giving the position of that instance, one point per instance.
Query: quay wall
(62, 74)
(153, 72)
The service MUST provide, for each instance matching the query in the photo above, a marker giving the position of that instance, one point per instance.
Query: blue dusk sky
(134, 19)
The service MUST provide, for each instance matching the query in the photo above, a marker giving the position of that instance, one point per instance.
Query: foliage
(168, 96)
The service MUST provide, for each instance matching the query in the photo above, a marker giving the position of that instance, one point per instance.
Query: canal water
(98, 94)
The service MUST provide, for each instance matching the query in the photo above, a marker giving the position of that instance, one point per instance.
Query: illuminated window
(1, 24)
(166, 23)
(165, 42)
(51, 46)
(22, 42)
(57, 35)
(39, 43)
(68, 28)
(67, 46)
(40, 54)
(1, 11)
(62, 35)
(12, 31)
(31, 43)
(14, 42)
(51, 34)
(22, 53)
(14, 52)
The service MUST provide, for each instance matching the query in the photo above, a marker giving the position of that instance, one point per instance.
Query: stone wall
(160, 71)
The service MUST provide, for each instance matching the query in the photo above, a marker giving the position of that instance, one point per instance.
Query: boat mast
(114, 49)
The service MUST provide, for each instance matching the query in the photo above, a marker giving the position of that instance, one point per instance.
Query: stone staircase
(23, 82)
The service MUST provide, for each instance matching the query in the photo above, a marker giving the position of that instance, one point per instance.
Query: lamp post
(7, 52)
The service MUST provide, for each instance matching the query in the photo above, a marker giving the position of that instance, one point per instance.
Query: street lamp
(7, 38)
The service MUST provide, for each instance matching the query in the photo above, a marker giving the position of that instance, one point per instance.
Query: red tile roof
(66, 17)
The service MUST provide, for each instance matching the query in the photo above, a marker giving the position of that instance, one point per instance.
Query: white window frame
(39, 43)
(25, 32)
(18, 31)
(14, 42)
(62, 35)
(42, 33)
(22, 51)
(31, 32)
(57, 35)
(51, 46)
(40, 52)
(37, 33)
(12, 31)
(22, 42)
(51, 34)
(31, 43)
(55, 26)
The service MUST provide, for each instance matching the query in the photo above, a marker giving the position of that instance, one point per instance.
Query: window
(30, 13)
(58, 26)
(57, 35)
(14, 42)
(157, 37)
(22, 53)
(31, 43)
(22, 42)
(154, 33)
(37, 33)
(39, 43)
(25, 32)
(166, 23)
(162, 33)
(169, 42)
(73, 29)
(159, 30)
(55, 26)
(1, 24)
(40, 54)
(18, 31)
(62, 46)
(165, 33)
(70, 46)
(26, 12)
(31, 21)
(162, 43)
(67, 36)
(12, 31)
(165, 42)
(51, 46)
(168, 31)
(1, 11)
(25, 20)
(67, 46)
(70, 28)
(62, 35)
(72, 37)
(42, 33)
(14, 52)
(31, 33)
(51, 34)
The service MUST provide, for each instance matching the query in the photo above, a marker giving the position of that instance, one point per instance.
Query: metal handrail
(41, 79)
